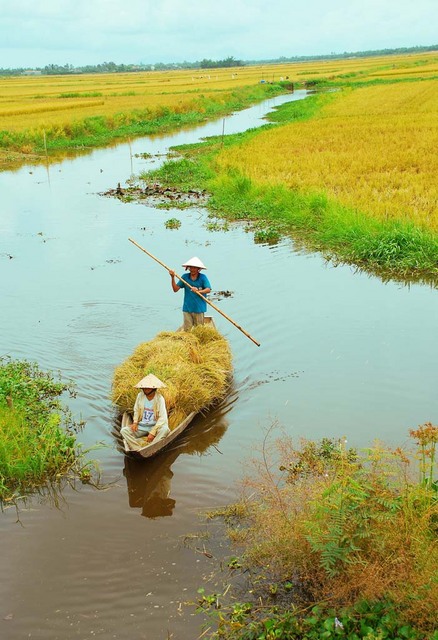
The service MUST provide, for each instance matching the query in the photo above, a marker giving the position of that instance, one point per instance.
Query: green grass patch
(354, 81)
(300, 110)
(183, 174)
(37, 433)
(172, 223)
(377, 620)
(77, 94)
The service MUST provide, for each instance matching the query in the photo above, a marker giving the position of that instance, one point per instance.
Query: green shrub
(37, 433)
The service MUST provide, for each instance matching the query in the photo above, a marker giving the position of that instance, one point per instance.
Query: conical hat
(194, 262)
(150, 382)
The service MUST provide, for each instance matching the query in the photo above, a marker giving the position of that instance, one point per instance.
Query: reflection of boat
(153, 448)
(149, 485)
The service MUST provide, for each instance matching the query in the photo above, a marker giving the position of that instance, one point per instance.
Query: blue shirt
(192, 302)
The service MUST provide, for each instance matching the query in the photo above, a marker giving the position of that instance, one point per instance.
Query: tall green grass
(37, 434)
(389, 248)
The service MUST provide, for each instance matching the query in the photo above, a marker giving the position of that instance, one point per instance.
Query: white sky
(34, 33)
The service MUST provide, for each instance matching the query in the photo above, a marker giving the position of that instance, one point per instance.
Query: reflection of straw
(199, 439)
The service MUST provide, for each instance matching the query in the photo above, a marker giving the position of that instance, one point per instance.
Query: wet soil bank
(156, 195)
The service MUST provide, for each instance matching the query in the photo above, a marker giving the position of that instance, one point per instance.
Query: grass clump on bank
(389, 248)
(195, 367)
(337, 543)
(37, 434)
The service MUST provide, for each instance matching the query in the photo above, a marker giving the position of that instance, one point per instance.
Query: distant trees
(56, 69)
(104, 67)
(112, 67)
(12, 72)
(348, 54)
(216, 64)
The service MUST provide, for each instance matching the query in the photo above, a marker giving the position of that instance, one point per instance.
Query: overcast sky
(34, 33)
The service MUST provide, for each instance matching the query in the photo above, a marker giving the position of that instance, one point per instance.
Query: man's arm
(172, 281)
(206, 288)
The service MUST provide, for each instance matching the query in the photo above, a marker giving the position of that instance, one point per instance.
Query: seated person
(150, 415)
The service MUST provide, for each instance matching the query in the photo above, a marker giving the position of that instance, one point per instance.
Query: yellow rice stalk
(195, 366)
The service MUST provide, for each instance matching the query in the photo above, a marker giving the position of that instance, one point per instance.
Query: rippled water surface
(341, 354)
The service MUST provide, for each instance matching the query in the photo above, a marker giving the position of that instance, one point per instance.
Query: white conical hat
(150, 382)
(194, 262)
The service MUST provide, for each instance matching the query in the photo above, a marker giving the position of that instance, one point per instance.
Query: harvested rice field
(371, 149)
(52, 110)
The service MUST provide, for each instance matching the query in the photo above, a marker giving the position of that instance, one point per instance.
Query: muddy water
(341, 354)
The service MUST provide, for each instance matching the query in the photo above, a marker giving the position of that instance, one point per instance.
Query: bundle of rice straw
(194, 365)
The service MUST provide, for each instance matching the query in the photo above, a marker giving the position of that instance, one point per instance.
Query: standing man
(194, 307)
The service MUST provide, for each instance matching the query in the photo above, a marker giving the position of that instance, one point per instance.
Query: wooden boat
(153, 448)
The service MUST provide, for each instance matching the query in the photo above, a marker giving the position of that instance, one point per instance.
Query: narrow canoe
(155, 447)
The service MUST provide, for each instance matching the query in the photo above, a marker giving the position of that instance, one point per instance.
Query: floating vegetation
(219, 295)
(144, 155)
(172, 223)
(269, 235)
(157, 195)
(217, 225)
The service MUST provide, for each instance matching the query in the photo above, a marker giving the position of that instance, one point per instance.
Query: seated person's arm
(161, 419)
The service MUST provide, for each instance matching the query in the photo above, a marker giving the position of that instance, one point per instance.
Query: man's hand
(150, 437)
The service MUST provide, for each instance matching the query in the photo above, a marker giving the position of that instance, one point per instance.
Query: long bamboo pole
(195, 291)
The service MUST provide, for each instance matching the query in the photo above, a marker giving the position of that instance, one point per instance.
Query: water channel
(342, 354)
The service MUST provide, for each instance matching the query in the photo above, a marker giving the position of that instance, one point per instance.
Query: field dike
(50, 142)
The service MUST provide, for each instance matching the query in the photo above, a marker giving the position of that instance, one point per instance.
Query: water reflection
(149, 484)
(53, 493)
(149, 481)
(242, 120)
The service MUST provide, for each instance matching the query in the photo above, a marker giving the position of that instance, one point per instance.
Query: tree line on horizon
(230, 61)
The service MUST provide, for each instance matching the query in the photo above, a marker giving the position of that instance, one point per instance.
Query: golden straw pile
(195, 366)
